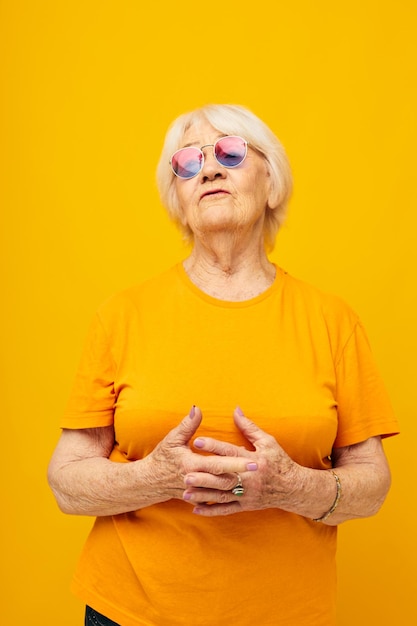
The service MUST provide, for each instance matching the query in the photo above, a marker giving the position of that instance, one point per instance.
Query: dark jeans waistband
(92, 618)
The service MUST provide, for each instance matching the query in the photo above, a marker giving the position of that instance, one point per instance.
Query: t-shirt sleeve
(364, 408)
(92, 400)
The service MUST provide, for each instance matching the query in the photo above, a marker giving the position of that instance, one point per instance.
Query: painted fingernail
(239, 411)
(251, 467)
(199, 443)
(192, 411)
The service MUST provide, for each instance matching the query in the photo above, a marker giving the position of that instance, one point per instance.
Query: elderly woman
(228, 515)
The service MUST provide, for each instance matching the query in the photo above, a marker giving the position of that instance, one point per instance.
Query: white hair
(230, 120)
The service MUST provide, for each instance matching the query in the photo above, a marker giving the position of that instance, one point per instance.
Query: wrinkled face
(219, 198)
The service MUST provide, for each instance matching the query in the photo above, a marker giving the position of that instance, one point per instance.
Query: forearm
(364, 485)
(362, 493)
(98, 486)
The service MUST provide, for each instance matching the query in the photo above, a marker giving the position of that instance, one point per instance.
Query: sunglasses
(229, 151)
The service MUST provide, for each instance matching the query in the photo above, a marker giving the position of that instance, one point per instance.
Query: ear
(272, 195)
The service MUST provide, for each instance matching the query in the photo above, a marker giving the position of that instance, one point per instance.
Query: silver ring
(238, 489)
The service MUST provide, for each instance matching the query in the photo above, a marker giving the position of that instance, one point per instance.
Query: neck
(230, 270)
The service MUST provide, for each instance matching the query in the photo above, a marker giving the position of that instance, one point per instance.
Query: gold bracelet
(336, 500)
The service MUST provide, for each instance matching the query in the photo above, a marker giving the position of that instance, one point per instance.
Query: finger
(216, 510)
(222, 448)
(218, 465)
(186, 429)
(224, 482)
(257, 437)
(204, 496)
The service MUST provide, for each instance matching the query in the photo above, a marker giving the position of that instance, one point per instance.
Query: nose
(211, 167)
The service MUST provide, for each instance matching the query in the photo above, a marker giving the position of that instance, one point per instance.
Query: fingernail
(196, 511)
(239, 411)
(187, 496)
(251, 467)
(192, 411)
(199, 443)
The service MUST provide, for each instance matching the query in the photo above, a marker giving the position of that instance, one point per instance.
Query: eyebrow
(193, 144)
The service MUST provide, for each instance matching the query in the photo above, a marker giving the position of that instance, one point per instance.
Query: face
(221, 199)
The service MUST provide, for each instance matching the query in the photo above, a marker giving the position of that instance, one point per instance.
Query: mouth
(214, 192)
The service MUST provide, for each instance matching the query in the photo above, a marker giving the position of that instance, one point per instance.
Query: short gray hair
(229, 119)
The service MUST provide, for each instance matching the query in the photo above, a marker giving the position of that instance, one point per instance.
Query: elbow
(383, 487)
(63, 502)
(386, 485)
(63, 505)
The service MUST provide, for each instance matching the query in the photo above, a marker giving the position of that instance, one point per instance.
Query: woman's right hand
(86, 482)
(168, 463)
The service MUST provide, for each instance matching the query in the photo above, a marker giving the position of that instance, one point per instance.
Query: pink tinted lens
(186, 162)
(230, 151)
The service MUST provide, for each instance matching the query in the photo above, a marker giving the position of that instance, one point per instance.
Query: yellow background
(87, 91)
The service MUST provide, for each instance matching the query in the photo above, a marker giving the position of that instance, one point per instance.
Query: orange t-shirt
(299, 364)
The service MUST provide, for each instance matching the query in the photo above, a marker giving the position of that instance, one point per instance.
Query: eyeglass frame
(207, 145)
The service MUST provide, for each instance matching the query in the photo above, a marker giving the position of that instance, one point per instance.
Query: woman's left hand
(274, 485)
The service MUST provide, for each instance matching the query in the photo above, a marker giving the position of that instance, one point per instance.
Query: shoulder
(321, 311)
(133, 298)
(329, 304)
